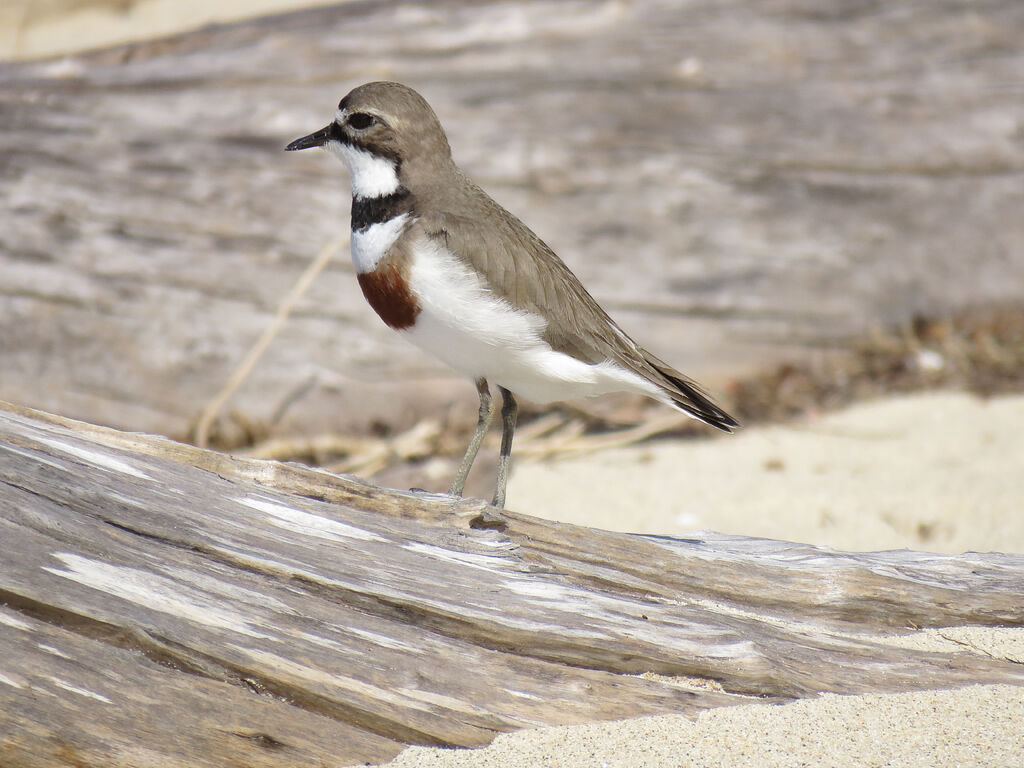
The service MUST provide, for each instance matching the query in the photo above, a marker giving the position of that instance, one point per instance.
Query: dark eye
(360, 120)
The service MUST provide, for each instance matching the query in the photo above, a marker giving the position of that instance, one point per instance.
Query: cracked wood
(220, 608)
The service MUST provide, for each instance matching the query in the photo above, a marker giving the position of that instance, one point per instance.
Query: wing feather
(519, 266)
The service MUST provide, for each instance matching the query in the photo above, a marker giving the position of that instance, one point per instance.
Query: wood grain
(196, 608)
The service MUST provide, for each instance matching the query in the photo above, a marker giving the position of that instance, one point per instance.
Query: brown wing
(517, 264)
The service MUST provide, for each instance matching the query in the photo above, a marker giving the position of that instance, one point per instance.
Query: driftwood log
(165, 605)
(736, 181)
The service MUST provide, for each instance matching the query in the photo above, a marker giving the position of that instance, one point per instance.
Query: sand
(32, 29)
(942, 472)
(977, 726)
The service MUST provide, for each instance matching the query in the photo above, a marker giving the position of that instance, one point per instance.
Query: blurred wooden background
(739, 183)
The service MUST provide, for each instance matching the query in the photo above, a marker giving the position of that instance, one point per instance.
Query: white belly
(480, 335)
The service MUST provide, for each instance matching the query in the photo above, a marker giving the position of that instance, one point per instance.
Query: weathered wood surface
(733, 179)
(160, 604)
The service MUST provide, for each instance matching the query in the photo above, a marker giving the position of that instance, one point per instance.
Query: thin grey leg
(509, 412)
(486, 414)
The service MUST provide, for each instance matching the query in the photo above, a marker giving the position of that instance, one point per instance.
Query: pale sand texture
(978, 726)
(942, 472)
(32, 29)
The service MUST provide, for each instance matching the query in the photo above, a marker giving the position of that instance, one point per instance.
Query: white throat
(372, 175)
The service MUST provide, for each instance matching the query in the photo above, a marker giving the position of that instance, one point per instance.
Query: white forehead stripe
(370, 244)
(372, 175)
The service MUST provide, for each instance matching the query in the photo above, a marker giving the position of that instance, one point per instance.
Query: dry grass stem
(209, 413)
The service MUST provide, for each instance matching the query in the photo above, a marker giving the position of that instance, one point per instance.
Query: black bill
(318, 139)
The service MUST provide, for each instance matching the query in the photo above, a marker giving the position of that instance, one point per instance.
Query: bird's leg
(509, 412)
(484, 421)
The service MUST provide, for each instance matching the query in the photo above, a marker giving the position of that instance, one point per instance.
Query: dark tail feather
(689, 397)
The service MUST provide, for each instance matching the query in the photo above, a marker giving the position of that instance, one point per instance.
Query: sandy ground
(943, 472)
(31, 29)
(978, 726)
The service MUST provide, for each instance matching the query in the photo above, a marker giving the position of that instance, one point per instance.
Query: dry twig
(209, 413)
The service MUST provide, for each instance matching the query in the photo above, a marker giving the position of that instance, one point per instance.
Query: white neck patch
(372, 175)
(372, 244)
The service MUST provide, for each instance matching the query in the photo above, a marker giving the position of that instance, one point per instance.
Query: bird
(449, 268)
